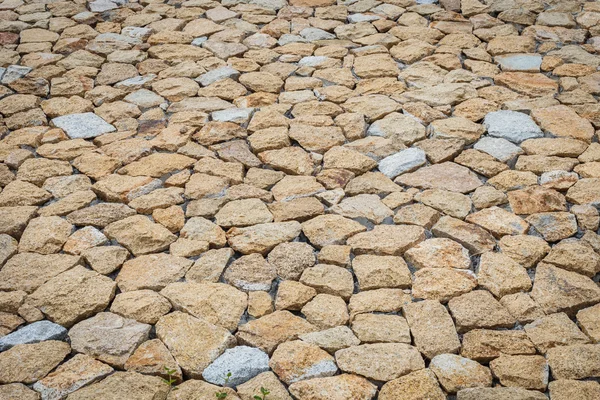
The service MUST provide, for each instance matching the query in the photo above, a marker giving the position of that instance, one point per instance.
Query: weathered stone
(456, 373)
(140, 235)
(380, 361)
(556, 290)
(194, 343)
(340, 387)
(484, 345)
(124, 384)
(269, 331)
(479, 309)
(446, 176)
(216, 303)
(314, 362)
(34, 361)
(73, 295)
(243, 362)
(86, 125)
(74, 374)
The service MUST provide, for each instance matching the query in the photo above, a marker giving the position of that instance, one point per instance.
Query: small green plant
(170, 380)
(264, 392)
(222, 395)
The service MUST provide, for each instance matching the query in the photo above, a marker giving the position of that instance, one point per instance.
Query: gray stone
(102, 5)
(401, 162)
(217, 74)
(144, 98)
(312, 34)
(243, 362)
(235, 115)
(511, 125)
(14, 72)
(520, 62)
(83, 126)
(499, 148)
(34, 333)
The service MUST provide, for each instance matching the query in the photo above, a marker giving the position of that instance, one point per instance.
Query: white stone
(83, 126)
(14, 72)
(217, 74)
(243, 362)
(144, 98)
(401, 162)
(511, 125)
(235, 115)
(520, 62)
(499, 148)
(312, 34)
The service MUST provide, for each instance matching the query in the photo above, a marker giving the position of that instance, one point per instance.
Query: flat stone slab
(520, 62)
(511, 125)
(83, 126)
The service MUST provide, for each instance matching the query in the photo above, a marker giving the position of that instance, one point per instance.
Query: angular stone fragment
(34, 333)
(442, 283)
(145, 306)
(193, 342)
(242, 362)
(554, 330)
(340, 387)
(497, 393)
(501, 275)
(438, 253)
(329, 279)
(152, 271)
(366, 206)
(295, 361)
(432, 328)
(484, 345)
(380, 361)
(529, 372)
(574, 362)
(404, 161)
(511, 125)
(456, 373)
(525, 250)
(420, 384)
(474, 238)
(536, 199)
(121, 385)
(28, 271)
(262, 238)
(446, 176)
(74, 374)
(374, 272)
(140, 235)
(73, 295)
(332, 339)
(83, 126)
(45, 235)
(479, 309)
(217, 303)
(266, 380)
(562, 121)
(151, 358)
(556, 290)
(387, 239)
(291, 259)
(34, 361)
(554, 226)
(565, 389)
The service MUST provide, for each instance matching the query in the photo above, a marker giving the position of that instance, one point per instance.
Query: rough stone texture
(296, 361)
(124, 384)
(194, 343)
(36, 332)
(27, 363)
(343, 174)
(243, 362)
(456, 373)
(108, 337)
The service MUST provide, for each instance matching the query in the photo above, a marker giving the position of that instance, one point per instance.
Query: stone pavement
(299, 199)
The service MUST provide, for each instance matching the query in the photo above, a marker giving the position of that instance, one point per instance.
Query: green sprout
(264, 392)
(170, 380)
(222, 395)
